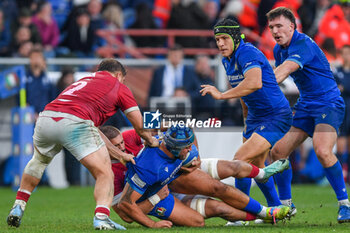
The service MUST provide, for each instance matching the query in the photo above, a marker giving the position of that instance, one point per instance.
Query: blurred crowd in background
(38, 30)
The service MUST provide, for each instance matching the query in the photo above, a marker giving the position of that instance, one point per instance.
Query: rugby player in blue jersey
(266, 111)
(157, 167)
(319, 111)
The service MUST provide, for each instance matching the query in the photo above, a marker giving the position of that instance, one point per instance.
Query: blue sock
(334, 175)
(284, 183)
(270, 193)
(253, 206)
(243, 184)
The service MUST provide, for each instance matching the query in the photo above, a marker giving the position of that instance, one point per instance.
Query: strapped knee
(36, 166)
(198, 204)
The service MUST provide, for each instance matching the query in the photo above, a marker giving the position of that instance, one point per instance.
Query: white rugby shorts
(54, 130)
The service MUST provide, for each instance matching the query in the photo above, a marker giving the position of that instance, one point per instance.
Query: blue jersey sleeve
(139, 179)
(278, 58)
(300, 53)
(248, 59)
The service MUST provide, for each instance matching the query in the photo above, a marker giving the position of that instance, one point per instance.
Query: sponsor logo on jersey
(151, 120)
(136, 179)
(324, 116)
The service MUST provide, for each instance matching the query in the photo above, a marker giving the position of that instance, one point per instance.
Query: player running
(266, 111)
(319, 111)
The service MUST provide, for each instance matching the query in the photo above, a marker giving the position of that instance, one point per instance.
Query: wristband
(155, 199)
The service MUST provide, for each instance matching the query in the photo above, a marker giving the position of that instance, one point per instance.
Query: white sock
(287, 202)
(260, 174)
(262, 212)
(344, 202)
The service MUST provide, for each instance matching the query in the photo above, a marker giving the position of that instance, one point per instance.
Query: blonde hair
(114, 14)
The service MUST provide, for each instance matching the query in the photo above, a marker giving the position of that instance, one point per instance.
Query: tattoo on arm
(127, 196)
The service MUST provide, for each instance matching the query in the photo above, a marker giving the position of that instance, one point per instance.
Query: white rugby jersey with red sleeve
(95, 98)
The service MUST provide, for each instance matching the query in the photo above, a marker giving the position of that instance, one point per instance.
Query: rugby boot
(106, 224)
(15, 216)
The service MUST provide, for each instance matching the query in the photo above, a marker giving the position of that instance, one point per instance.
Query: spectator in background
(48, 28)
(166, 79)
(145, 20)
(342, 76)
(94, 8)
(25, 20)
(81, 35)
(40, 91)
(24, 49)
(114, 19)
(335, 24)
(204, 105)
(188, 15)
(22, 35)
(161, 12)
(72, 166)
(311, 13)
(5, 35)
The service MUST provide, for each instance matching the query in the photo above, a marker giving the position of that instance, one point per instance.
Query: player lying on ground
(171, 208)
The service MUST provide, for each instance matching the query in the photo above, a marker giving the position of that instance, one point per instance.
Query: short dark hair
(175, 47)
(287, 13)
(37, 50)
(111, 65)
(110, 131)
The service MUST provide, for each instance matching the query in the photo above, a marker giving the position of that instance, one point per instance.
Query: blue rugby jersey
(314, 78)
(153, 170)
(268, 101)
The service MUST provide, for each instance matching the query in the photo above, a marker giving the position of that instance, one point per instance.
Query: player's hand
(195, 164)
(162, 224)
(209, 89)
(127, 158)
(163, 193)
(153, 143)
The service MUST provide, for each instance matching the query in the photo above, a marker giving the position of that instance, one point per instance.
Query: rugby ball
(190, 157)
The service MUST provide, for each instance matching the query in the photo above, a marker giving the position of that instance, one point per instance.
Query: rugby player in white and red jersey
(71, 121)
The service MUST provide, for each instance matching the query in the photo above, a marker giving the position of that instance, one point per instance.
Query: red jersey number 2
(77, 86)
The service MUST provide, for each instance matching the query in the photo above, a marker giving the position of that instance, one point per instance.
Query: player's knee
(100, 172)
(323, 153)
(276, 153)
(37, 165)
(198, 221)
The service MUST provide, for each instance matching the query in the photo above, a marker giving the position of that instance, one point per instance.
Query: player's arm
(147, 205)
(115, 152)
(285, 69)
(252, 81)
(128, 207)
(136, 120)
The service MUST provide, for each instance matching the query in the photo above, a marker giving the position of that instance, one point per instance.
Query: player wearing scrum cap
(266, 111)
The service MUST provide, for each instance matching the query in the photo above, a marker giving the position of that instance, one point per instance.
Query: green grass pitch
(71, 210)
